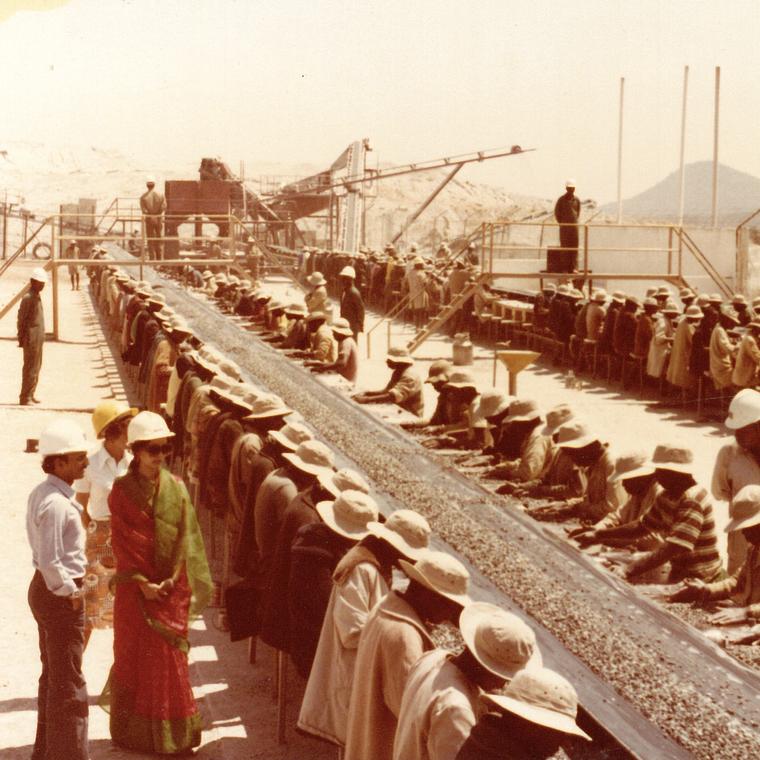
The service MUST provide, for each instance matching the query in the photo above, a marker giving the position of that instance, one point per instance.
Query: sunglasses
(154, 449)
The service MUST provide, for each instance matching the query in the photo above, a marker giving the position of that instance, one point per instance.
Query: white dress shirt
(56, 534)
(98, 479)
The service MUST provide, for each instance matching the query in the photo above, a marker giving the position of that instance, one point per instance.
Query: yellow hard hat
(107, 412)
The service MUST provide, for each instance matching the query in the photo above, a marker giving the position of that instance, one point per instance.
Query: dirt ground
(235, 697)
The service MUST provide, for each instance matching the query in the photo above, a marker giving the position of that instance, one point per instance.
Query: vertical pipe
(5, 228)
(715, 149)
(54, 274)
(620, 154)
(682, 178)
(245, 192)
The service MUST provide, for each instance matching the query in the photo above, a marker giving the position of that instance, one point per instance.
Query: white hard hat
(147, 426)
(39, 275)
(744, 409)
(570, 183)
(348, 271)
(151, 180)
(62, 436)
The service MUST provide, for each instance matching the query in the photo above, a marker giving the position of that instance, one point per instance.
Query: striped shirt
(687, 522)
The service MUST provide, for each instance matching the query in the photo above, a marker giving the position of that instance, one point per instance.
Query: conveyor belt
(633, 658)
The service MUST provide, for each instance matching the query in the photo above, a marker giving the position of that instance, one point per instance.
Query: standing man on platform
(153, 205)
(72, 252)
(57, 537)
(351, 303)
(567, 211)
(30, 327)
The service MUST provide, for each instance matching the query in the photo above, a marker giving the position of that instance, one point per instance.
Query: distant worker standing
(72, 252)
(153, 205)
(30, 327)
(567, 211)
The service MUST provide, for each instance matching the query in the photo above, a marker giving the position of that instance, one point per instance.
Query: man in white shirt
(56, 536)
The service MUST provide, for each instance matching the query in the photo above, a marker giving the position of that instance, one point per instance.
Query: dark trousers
(30, 372)
(62, 695)
(154, 233)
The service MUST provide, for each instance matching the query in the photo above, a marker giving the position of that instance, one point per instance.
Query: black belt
(78, 582)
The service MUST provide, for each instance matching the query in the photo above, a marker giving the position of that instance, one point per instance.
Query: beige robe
(678, 369)
(659, 346)
(747, 363)
(359, 586)
(438, 711)
(392, 641)
(721, 357)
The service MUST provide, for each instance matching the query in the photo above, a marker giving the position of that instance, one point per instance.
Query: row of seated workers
(317, 558)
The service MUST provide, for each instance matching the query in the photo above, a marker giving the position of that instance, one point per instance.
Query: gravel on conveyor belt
(676, 682)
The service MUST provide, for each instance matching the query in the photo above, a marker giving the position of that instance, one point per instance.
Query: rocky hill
(738, 196)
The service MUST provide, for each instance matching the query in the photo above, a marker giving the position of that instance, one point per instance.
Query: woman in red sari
(162, 580)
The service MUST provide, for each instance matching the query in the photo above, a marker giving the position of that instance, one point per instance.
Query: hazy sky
(297, 80)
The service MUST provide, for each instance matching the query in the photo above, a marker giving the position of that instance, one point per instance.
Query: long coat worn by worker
(392, 641)
(721, 357)
(352, 308)
(659, 347)
(747, 369)
(30, 326)
(678, 369)
(358, 587)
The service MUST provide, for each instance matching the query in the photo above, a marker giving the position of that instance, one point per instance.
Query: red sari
(155, 536)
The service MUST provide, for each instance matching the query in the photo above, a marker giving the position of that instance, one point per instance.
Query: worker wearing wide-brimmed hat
(346, 363)
(746, 372)
(316, 299)
(722, 351)
(742, 586)
(683, 517)
(30, 330)
(462, 399)
(416, 282)
(441, 702)
(361, 579)
(532, 718)
(404, 387)
(738, 464)
(678, 374)
(635, 472)
(395, 636)
(601, 494)
(438, 377)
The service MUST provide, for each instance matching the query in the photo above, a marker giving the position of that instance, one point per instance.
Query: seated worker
(600, 494)
(746, 372)
(636, 475)
(682, 516)
(438, 377)
(742, 588)
(362, 579)
(347, 363)
(396, 634)
(297, 336)
(322, 345)
(316, 299)
(532, 719)
(276, 321)
(441, 702)
(521, 433)
(461, 393)
(404, 387)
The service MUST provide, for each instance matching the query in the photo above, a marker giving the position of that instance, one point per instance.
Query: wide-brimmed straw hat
(268, 406)
(556, 418)
(618, 296)
(295, 309)
(316, 279)
(600, 296)
(492, 403)
(220, 385)
(543, 697)
(574, 435)
(673, 458)
(441, 573)
(350, 514)
(406, 530)
(312, 457)
(399, 355)
(671, 307)
(343, 480)
(315, 315)
(439, 371)
(461, 379)
(745, 509)
(635, 464)
(499, 640)
(694, 312)
(292, 435)
(744, 409)
(241, 395)
(522, 410)
(342, 327)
